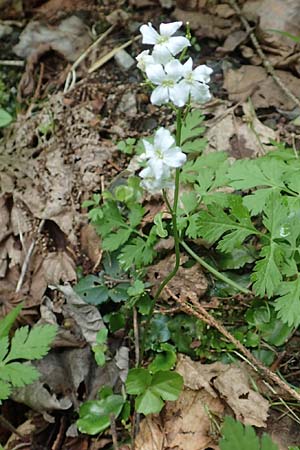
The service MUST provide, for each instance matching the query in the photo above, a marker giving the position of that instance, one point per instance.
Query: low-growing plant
(16, 353)
(247, 212)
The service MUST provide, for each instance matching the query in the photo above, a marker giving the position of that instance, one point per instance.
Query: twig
(195, 309)
(11, 62)
(72, 74)
(113, 430)
(136, 337)
(27, 258)
(8, 426)
(266, 63)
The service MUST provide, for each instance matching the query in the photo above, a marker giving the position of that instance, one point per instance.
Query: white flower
(144, 59)
(194, 81)
(166, 79)
(153, 184)
(163, 153)
(164, 43)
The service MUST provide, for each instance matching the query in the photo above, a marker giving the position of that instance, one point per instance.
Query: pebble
(124, 60)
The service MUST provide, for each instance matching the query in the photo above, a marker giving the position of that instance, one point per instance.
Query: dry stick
(136, 337)
(198, 311)
(27, 258)
(113, 430)
(267, 65)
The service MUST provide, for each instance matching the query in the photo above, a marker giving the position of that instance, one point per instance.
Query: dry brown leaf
(59, 267)
(240, 137)
(4, 218)
(90, 243)
(151, 435)
(187, 281)
(251, 81)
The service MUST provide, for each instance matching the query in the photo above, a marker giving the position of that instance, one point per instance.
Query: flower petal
(200, 93)
(202, 73)
(160, 95)
(163, 139)
(187, 66)
(155, 73)
(161, 54)
(149, 149)
(150, 35)
(174, 69)
(167, 29)
(179, 95)
(174, 157)
(177, 43)
(157, 166)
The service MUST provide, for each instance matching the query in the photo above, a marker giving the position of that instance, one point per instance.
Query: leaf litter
(45, 175)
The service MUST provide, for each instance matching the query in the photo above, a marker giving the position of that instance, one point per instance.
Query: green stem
(173, 211)
(213, 271)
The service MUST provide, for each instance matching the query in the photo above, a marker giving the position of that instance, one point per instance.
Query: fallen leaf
(90, 243)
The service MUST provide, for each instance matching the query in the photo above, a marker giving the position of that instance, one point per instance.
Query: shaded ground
(62, 148)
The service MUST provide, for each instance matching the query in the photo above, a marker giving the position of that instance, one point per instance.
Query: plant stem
(173, 211)
(213, 271)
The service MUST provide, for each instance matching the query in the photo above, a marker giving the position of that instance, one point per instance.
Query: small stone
(124, 60)
(5, 30)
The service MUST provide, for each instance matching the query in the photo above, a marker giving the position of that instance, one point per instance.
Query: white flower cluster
(175, 82)
(162, 156)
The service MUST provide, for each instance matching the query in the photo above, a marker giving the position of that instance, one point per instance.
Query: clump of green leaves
(15, 354)
(237, 437)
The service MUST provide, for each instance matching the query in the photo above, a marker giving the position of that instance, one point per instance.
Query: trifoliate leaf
(138, 381)
(237, 437)
(149, 403)
(18, 374)
(31, 344)
(167, 384)
(288, 305)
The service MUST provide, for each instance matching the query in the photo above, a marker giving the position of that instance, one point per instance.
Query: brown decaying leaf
(187, 281)
(90, 242)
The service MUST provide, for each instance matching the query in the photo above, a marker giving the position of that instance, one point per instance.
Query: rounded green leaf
(149, 403)
(167, 384)
(5, 118)
(138, 381)
(95, 415)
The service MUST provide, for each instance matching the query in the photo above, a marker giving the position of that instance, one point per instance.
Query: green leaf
(33, 344)
(5, 390)
(149, 403)
(5, 118)
(267, 275)
(138, 380)
(115, 240)
(18, 374)
(288, 304)
(136, 253)
(167, 384)
(3, 347)
(7, 322)
(165, 360)
(94, 416)
(192, 132)
(237, 437)
(160, 226)
(215, 223)
(136, 289)
(92, 290)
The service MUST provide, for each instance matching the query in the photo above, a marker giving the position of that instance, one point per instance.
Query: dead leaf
(90, 243)
(69, 38)
(151, 434)
(251, 81)
(59, 267)
(187, 281)
(240, 136)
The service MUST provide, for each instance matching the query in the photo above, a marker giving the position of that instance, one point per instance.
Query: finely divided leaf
(215, 223)
(33, 344)
(137, 253)
(192, 133)
(114, 240)
(288, 305)
(239, 437)
(18, 374)
(267, 275)
(5, 390)
(7, 322)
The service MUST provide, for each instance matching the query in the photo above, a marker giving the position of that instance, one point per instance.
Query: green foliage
(237, 437)
(5, 118)
(192, 131)
(25, 345)
(152, 389)
(94, 415)
(100, 348)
